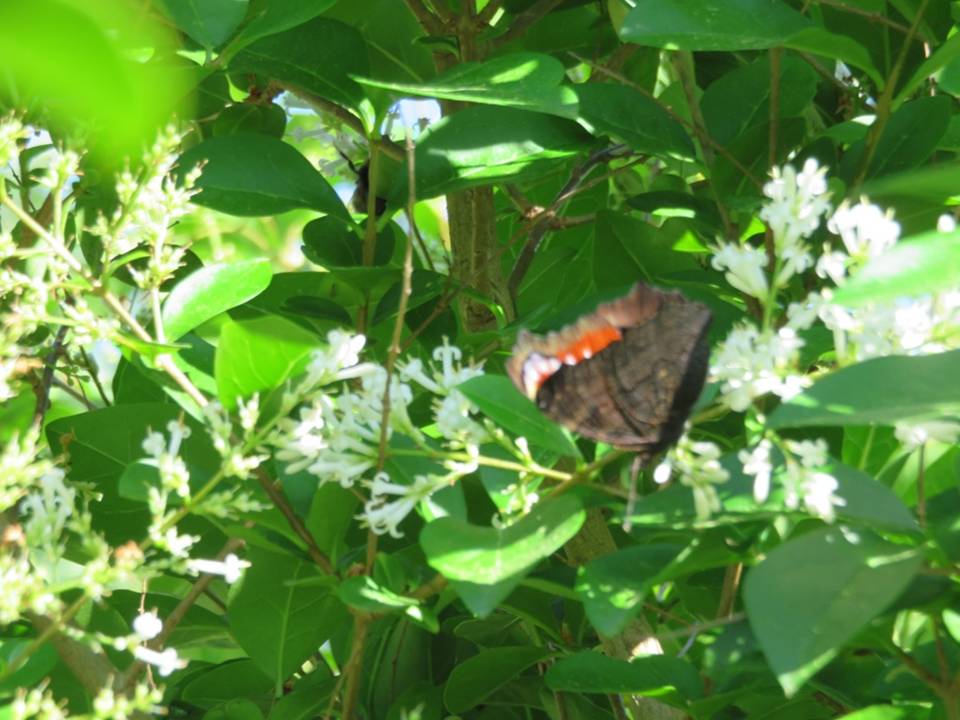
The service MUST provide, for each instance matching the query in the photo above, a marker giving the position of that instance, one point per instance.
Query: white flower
(745, 266)
(450, 374)
(147, 625)
(866, 231)
(165, 662)
(11, 131)
(797, 202)
(249, 412)
(384, 516)
(231, 567)
(794, 260)
(48, 508)
(812, 453)
(749, 364)
(176, 544)
(756, 462)
(946, 223)
(832, 264)
(913, 435)
(340, 360)
(698, 466)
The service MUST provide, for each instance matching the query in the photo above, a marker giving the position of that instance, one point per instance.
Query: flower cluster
(151, 202)
(698, 466)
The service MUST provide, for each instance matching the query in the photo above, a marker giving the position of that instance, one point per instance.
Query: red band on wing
(589, 344)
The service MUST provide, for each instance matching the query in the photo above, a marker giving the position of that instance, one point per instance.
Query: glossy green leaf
(72, 57)
(235, 710)
(613, 586)
(208, 22)
(909, 138)
(482, 145)
(279, 619)
(364, 594)
(527, 81)
(255, 174)
(817, 40)
(827, 585)
(741, 98)
(914, 388)
(259, 354)
(630, 116)
(591, 672)
(882, 712)
(730, 25)
(486, 555)
(221, 683)
(210, 291)
(477, 677)
(318, 56)
(920, 265)
(274, 16)
(32, 671)
(499, 400)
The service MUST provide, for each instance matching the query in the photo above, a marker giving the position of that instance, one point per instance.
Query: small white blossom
(946, 223)
(383, 514)
(698, 466)
(749, 364)
(745, 268)
(166, 662)
(48, 508)
(867, 232)
(812, 453)
(756, 462)
(797, 203)
(147, 625)
(231, 567)
(913, 435)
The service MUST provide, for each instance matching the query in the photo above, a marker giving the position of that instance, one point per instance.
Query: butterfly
(626, 374)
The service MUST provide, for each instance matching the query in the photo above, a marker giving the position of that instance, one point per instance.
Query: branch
(526, 19)
(428, 21)
(46, 381)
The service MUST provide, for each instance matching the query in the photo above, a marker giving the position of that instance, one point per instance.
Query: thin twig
(775, 55)
(94, 377)
(428, 21)
(489, 10)
(525, 20)
(79, 397)
(871, 16)
(49, 367)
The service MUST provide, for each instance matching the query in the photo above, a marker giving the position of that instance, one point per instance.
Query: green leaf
(482, 145)
(318, 56)
(920, 265)
(527, 81)
(486, 555)
(210, 291)
(914, 389)
(277, 618)
(933, 183)
(251, 174)
(812, 594)
(730, 25)
(33, 670)
(624, 113)
(275, 16)
(71, 61)
(331, 243)
(235, 710)
(909, 138)
(259, 354)
(227, 681)
(613, 586)
(479, 676)
(208, 22)
(833, 45)
(331, 514)
(591, 672)
(363, 593)
(741, 98)
(882, 712)
(499, 400)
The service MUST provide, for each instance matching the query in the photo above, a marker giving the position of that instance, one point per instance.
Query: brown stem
(49, 367)
(428, 21)
(352, 669)
(489, 10)
(526, 19)
(296, 524)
